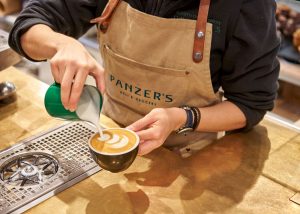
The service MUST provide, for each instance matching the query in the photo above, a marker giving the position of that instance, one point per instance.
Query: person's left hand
(155, 127)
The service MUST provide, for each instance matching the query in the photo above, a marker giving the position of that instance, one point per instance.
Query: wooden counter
(255, 172)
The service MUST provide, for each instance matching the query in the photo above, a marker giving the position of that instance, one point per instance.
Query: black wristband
(188, 126)
(197, 117)
(190, 118)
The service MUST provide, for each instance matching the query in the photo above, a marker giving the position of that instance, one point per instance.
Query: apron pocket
(142, 87)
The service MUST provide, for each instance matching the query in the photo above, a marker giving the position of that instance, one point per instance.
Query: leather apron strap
(200, 30)
(199, 40)
(104, 19)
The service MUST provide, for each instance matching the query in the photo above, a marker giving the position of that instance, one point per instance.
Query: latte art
(114, 141)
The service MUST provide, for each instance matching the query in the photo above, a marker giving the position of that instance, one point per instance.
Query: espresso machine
(8, 57)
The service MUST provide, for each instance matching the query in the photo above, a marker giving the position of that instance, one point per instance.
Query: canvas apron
(153, 62)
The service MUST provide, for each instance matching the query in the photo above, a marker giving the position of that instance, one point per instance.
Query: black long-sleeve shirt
(244, 44)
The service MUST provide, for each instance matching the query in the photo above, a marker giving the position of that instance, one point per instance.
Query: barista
(164, 62)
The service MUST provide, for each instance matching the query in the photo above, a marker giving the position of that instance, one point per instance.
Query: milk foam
(116, 141)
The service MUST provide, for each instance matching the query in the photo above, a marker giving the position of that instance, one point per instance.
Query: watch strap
(197, 117)
(190, 118)
(193, 119)
(188, 126)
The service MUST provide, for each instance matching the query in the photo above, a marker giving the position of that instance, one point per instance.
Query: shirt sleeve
(250, 67)
(69, 17)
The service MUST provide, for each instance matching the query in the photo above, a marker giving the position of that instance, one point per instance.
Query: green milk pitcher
(90, 97)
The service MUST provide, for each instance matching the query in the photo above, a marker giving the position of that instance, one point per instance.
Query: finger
(62, 69)
(148, 134)
(55, 72)
(146, 147)
(142, 123)
(66, 85)
(76, 90)
(102, 84)
(98, 75)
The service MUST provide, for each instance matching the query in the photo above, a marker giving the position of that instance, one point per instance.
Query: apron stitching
(172, 71)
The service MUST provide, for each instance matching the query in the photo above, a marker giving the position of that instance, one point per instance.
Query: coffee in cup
(115, 150)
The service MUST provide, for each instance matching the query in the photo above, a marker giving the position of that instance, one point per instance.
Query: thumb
(142, 123)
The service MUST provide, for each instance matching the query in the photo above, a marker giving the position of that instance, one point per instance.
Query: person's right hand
(70, 67)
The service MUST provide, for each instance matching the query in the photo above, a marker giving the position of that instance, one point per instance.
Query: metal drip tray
(40, 167)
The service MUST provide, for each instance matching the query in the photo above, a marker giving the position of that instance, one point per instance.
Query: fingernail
(72, 110)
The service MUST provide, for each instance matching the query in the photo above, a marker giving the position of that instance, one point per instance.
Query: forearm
(40, 42)
(224, 116)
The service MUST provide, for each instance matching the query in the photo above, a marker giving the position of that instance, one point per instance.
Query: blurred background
(288, 28)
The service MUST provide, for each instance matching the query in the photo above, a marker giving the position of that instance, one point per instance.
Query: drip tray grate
(40, 167)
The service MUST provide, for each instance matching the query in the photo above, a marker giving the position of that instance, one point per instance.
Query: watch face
(184, 130)
(186, 107)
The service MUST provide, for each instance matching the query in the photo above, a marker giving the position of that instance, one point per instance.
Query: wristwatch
(189, 124)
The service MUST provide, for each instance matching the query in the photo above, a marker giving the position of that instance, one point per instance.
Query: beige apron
(152, 62)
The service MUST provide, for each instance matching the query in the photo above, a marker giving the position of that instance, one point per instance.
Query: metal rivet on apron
(200, 34)
(198, 56)
(103, 27)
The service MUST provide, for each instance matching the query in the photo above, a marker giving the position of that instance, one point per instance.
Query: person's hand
(70, 67)
(155, 127)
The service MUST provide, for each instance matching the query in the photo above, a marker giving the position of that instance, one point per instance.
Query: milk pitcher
(88, 108)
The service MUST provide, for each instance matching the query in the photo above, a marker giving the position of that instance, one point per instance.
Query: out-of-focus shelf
(295, 4)
(297, 123)
(6, 22)
(9, 19)
(89, 39)
(282, 121)
(7, 56)
(89, 42)
(289, 72)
